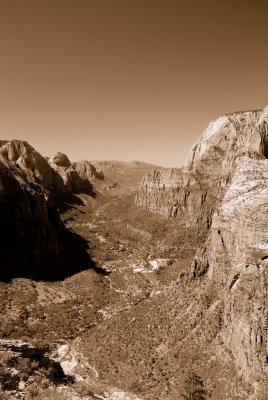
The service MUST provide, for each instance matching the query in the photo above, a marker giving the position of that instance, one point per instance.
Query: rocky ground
(156, 308)
(140, 324)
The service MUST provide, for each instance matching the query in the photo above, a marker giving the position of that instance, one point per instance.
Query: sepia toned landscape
(133, 200)
(126, 281)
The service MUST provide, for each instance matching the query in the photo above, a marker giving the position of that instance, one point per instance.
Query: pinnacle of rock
(61, 160)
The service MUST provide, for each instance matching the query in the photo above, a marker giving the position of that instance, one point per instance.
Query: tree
(194, 388)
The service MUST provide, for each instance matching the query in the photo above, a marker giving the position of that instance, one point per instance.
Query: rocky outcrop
(226, 172)
(23, 348)
(198, 189)
(158, 191)
(235, 257)
(61, 160)
(33, 238)
(236, 252)
(22, 361)
(77, 177)
(174, 193)
(26, 162)
(30, 225)
(87, 171)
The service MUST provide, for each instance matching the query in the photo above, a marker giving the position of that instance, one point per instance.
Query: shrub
(194, 388)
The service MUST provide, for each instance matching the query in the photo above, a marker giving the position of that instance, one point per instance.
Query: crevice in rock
(264, 140)
(234, 280)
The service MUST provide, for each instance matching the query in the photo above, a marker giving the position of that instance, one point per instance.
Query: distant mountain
(123, 177)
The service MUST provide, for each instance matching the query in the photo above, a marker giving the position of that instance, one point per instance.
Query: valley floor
(137, 322)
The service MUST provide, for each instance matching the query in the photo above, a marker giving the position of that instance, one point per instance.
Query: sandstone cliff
(30, 225)
(235, 259)
(77, 176)
(174, 193)
(61, 160)
(196, 191)
(20, 156)
(224, 186)
(33, 238)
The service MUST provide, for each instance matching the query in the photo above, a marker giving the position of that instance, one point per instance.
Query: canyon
(223, 187)
(139, 277)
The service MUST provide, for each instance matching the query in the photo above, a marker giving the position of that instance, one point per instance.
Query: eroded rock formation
(30, 225)
(30, 193)
(235, 257)
(196, 191)
(77, 176)
(61, 160)
(224, 187)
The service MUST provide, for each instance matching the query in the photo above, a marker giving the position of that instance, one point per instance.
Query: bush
(194, 388)
(7, 380)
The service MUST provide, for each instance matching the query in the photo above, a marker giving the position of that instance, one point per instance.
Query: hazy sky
(127, 79)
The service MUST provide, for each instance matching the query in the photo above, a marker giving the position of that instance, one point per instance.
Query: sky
(127, 79)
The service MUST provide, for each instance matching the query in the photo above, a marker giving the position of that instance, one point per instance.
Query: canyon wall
(235, 258)
(30, 225)
(77, 176)
(224, 186)
(33, 238)
(193, 193)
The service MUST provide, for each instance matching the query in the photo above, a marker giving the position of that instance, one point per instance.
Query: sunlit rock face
(24, 159)
(194, 193)
(77, 176)
(237, 257)
(87, 170)
(226, 179)
(61, 160)
(174, 193)
(158, 191)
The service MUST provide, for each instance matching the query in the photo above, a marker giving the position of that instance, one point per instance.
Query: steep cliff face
(24, 158)
(61, 160)
(198, 189)
(174, 193)
(159, 191)
(235, 259)
(77, 176)
(228, 173)
(30, 225)
(33, 238)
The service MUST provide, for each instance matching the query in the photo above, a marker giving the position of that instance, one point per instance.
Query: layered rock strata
(25, 161)
(196, 191)
(31, 191)
(174, 193)
(226, 180)
(76, 176)
(30, 225)
(235, 258)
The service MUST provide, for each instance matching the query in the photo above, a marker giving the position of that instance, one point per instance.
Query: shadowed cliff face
(34, 242)
(29, 166)
(224, 187)
(76, 177)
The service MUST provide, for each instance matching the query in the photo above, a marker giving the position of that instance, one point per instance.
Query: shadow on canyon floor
(73, 258)
(70, 201)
